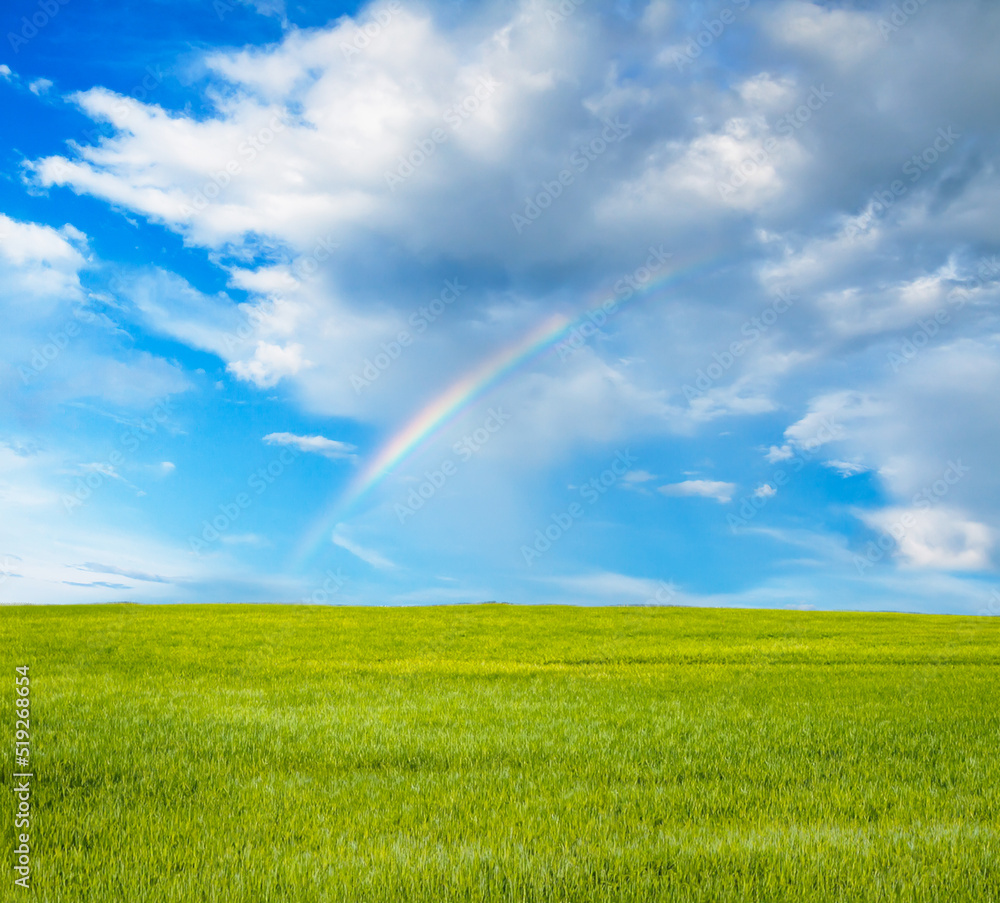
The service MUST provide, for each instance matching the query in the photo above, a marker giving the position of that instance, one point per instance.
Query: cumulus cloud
(843, 36)
(40, 260)
(373, 112)
(270, 364)
(710, 489)
(940, 538)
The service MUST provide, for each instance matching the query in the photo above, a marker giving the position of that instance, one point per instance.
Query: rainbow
(455, 399)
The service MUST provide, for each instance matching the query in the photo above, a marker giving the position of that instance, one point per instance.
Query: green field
(477, 753)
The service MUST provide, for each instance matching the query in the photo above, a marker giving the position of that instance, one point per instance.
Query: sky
(636, 302)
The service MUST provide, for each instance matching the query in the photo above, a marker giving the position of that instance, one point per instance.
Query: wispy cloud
(846, 468)
(97, 568)
(243, 539)
(369, 556)
(638, 476)
(710, 489)
(111, 472)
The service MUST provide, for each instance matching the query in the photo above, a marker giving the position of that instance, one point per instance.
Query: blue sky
(250, 250)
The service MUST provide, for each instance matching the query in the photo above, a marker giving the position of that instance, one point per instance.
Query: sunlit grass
(239, 753)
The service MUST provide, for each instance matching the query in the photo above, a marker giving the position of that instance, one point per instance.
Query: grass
(241, 753)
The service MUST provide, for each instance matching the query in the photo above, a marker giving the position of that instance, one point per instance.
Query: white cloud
(830, 416)
(765, 91)
(940, 538)
(843, 36)
(369, 556)
(855, 310)
(610, 588)
(846, 468)
(690, 173)
(108, 470)
(710, 489)
(270, 364)
(40, 260)
(243, 539)
(97, 568)
(267, 7)
(320, 445)
(658, 15)
(368, 111)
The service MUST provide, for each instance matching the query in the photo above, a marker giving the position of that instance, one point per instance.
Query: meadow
(479, 753)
